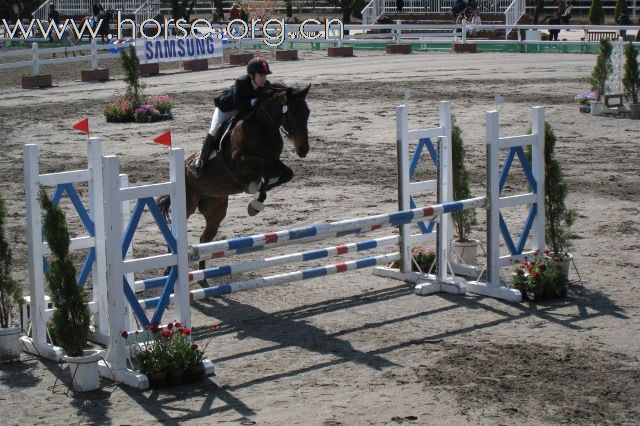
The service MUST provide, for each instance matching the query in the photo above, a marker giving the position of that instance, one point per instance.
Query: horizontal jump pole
(259, 282)
(242, 267)
(224, 248)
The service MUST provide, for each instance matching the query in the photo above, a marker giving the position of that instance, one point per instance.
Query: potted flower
(424, 259)
(631, 80)
(538, 279)
(463, 220)
(71, 318)
(10, 298)
(169, 357)
(131, 107)
(584, 99)
(599, 75)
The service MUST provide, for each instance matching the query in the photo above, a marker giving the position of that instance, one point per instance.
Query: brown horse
(249, 160)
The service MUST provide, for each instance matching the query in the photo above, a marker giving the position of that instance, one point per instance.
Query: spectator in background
(555, 20)
(244, 13)
(234, 13)
(565, 16)
(399, 5)
(457, 8)
(475, 22)
(54, 16)
(97, 9)
(289, 9)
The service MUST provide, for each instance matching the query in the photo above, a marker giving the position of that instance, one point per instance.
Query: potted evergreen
(631, 80)
(71, 318)
(558, 218)
(463, 220)
(10, 298)
(599, 75)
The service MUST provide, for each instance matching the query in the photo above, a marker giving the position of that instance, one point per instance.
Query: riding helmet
(258, 65)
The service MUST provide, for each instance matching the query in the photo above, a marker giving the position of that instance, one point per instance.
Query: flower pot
(10, 344)
(84, 370)
(158, 379)
(634, 111)
(467, 251)
(597, 108)
(194, 373)
(176, 377)
(562, 264)
(584, 108)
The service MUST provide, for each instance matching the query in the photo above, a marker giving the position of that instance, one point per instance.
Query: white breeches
(218, 118)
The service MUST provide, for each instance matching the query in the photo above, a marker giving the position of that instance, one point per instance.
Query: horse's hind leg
(214, 211)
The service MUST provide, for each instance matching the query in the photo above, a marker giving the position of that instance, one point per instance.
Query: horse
(249, 159)
(68, 38)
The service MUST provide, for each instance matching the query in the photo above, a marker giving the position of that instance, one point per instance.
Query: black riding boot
(207, 147)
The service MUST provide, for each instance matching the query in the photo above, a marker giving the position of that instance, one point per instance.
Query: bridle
(282, 124)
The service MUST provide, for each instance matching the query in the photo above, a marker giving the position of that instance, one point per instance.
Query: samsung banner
(178, 49)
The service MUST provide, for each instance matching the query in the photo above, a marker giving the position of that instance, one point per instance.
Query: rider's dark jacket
(238, 97)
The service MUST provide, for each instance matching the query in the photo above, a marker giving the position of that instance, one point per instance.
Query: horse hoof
(255, 207)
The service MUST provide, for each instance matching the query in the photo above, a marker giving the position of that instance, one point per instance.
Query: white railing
(35, 61)
(375, 8)
(512, 15)
(85, 7)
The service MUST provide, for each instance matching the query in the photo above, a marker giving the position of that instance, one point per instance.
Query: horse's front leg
(272, 173)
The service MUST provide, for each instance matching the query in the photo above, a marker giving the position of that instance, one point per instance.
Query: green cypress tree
(602, 69)
(130, 63)
(463, 220)
(71, 318)
(10, 291)
(596, 14)
(631, 78)
(621, 9)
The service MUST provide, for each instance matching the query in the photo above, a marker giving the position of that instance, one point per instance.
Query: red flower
(516, 261)
(166, 334)
(542, 268)
(169, 326)
(215, 326)
(186, 331)
(178, 325)
(547, 251)
(124, 334)
(194, 347)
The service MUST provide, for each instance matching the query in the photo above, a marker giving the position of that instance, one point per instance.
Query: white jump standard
(496, 178)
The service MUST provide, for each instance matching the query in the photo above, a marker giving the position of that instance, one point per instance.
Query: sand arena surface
(354, 348)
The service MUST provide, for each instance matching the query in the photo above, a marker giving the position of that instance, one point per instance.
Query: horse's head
(286, 107)
(296, 118)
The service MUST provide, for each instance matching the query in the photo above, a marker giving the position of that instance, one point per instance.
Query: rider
(242, 96)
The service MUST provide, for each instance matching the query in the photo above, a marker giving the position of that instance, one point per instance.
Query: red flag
(83, 126)
(164, 139)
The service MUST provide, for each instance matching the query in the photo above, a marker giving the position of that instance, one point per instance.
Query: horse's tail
(164, 202)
